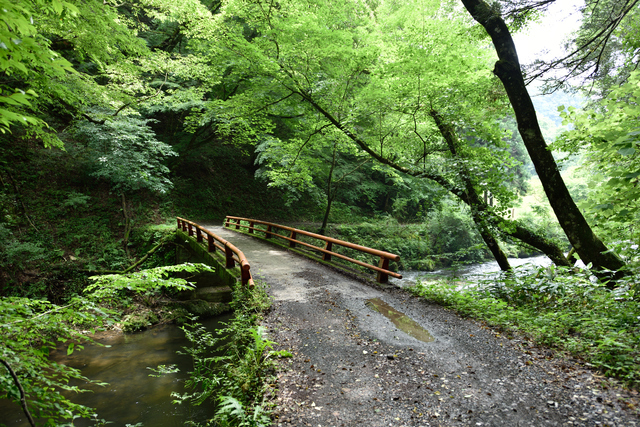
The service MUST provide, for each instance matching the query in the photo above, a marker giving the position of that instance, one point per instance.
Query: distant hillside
(547, 105)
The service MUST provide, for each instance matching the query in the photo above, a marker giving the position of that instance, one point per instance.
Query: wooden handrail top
(242, 259)
(376, 252)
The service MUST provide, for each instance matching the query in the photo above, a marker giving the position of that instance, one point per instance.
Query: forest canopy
(424, 91)
(404, 125)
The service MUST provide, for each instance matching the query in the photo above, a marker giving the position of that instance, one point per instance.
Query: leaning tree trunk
(587, 244)
(491, 242)
(450, 137)
(522, 233)
(127, 226)
(330, 194)
(325, 219)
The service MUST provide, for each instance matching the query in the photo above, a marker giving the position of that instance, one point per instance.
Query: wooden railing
(327, 250)
(231, 253)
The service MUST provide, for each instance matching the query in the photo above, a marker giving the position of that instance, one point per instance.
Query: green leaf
(627, 151)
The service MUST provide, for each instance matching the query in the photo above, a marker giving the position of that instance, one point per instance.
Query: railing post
(293, 236)
(267, 234)
(226, 223)
(326, 256)
(229, 256)
(179, 226)
(190, 229)
(237, 224)
(245, 276)
(211, 243)
(198, 235)
(251, 225)
(383, 277)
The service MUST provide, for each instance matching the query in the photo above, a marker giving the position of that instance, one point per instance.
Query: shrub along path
(352, 366)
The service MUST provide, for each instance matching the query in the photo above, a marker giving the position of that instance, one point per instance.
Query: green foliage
(606, 57)
(557, 308)
(376, 80)
(453, 234)
(125, 152)
(203, 189)
(231, 368)
(233, 413)
(75, 199)
(443, 238)
(30, 330)
(108, 288)
(609, 138)
(535, 211)
(14, 254)
(24, 54)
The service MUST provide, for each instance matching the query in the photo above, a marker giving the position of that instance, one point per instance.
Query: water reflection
(401, 320)
(131, 396)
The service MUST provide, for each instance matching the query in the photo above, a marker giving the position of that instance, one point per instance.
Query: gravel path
(352, 366)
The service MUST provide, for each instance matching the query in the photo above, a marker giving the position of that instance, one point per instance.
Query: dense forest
(402, 125)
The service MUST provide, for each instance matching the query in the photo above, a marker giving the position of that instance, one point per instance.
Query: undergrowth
(557, 308)
(233, 365)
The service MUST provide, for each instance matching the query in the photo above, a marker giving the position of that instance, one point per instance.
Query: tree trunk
(519, 231)
(587, 244)
(325, 220)
(127, 226)
(450, 137)
(23, 398)
(330, 196)
(492, 244)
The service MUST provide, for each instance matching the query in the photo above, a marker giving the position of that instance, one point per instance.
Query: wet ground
(353, 365)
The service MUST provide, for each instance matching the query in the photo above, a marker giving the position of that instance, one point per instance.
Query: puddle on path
(401, 320)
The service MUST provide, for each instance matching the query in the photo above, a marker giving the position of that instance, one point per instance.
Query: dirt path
(352, 366)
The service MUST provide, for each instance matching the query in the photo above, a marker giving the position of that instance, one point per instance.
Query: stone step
(214, 294)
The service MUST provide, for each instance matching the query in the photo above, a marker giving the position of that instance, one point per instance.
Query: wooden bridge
(327, 247)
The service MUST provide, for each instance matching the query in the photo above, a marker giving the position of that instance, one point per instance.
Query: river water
(132, 396)
(471, 272)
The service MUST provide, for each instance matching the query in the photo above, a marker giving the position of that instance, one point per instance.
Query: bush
(445, 238)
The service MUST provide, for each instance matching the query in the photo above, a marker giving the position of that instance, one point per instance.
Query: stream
(131, 396)
(481, 271)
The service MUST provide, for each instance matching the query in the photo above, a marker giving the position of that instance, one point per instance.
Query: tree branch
(520, 232)
(101, 122)
(23, 399)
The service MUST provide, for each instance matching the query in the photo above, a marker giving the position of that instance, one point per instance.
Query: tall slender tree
(590, 248)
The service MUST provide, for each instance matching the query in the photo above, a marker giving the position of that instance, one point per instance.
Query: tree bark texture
(590, 248)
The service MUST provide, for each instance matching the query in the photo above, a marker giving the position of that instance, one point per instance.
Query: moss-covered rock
(139, 321)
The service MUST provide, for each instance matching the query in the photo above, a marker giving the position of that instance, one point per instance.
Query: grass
(557, 308)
